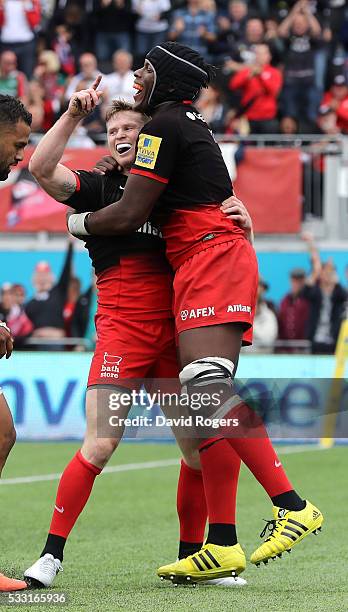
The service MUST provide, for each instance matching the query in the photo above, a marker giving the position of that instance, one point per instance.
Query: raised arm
(300, 7)
(313, 23)
(55, 178)
(315, 258)
(285, 25)
(65, 274)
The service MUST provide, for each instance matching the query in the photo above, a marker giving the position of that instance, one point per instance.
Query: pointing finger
(94, 97)
(97, 81)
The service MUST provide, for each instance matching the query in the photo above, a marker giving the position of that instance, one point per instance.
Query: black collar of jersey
(164, 106)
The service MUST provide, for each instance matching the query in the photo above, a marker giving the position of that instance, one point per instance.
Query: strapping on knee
(214, 376)
(206, 370)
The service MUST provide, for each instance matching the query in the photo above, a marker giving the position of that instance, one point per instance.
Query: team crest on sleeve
(148, 147)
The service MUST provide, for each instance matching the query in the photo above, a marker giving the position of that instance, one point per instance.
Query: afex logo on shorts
(195, 313)
(110, 368)
(238, 308)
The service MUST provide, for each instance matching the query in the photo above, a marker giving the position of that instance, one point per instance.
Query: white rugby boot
(43, 571)
(230, 581)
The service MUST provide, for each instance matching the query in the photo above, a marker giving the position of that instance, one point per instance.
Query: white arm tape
(2, 324)
(76, 224)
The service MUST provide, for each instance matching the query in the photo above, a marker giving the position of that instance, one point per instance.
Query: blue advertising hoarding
(46, 391)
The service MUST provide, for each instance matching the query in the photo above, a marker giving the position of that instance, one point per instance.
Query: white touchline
(126, 467)
(145, 465)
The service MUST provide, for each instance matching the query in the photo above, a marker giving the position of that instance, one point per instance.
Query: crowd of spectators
(57, 311)
(282, 65)
(309, 316)
(60, 317)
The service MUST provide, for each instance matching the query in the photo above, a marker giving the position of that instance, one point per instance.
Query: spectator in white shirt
(119, 84)
(265, 328)
(152, 25)
(19, 20)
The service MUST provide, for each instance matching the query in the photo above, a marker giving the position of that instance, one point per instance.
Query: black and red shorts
(134, 323)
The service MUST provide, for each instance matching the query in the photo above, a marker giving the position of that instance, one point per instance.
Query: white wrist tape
(2, 324)
(76, 224)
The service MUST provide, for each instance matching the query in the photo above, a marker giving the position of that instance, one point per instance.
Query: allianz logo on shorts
(109, 368)
(196, 313)
(238, 308)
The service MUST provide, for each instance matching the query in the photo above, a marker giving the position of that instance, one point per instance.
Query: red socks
(191, 504)
(220, 468)
(74, 489)
(257, 452)
(215, 488)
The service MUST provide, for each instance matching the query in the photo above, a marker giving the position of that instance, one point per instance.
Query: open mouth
(139, 89)
(123, 148)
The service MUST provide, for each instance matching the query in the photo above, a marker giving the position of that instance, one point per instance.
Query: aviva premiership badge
(148, 147)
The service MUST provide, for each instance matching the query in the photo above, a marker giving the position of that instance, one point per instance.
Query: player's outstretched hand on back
(83, 102)
(6, 341)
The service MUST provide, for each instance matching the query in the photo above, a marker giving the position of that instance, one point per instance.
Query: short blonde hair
(120, 106)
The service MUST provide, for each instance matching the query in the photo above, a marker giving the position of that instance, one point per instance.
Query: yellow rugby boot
(288, 528)
(211, 562)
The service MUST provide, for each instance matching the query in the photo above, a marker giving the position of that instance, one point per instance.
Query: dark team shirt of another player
(95, 191)
(177, 149)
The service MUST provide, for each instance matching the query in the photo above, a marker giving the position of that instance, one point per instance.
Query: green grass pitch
(129, 528)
